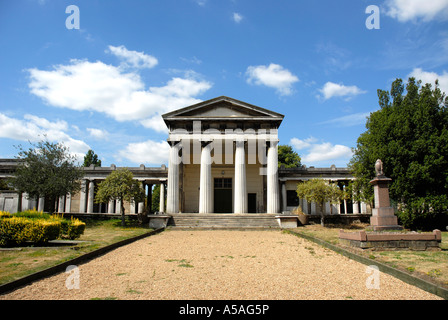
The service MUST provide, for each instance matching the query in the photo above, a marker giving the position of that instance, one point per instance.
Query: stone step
(223, 221)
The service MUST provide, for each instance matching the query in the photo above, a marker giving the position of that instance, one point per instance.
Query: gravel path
(224, 265)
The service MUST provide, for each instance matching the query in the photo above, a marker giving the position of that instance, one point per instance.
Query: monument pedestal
(382, 223)
(383, 215)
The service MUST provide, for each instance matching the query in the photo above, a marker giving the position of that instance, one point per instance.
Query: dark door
(223, 195)
(252, 202)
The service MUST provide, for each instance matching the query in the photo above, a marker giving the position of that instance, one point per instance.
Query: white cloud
(313, 153)
(274, 76)
(98, 133)
(201, 2)
(96, 86)
(302, 144)
(349, 120)
(406, 10)
(327, 151)
(431, 77)
(331, 89)
(155, 123)
(148, 152)
(133, 58)
(237, 17)
(34, 129)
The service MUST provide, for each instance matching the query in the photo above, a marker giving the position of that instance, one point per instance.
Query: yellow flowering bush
(17, 230)
(37, 227)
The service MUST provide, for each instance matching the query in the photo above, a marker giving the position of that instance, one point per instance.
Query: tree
(91, 158)
(410, 135)
(46, 170)
(319, 191)
(120, 185)
(156, 197)
(288, 157)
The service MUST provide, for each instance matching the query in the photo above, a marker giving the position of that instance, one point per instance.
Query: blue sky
(104, 86)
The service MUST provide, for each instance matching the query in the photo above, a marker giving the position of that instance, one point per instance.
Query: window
(223, 183)
(292, 200)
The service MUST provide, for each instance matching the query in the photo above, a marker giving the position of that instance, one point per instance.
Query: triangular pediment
(222, 108)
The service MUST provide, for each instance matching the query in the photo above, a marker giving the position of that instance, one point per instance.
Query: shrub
(32, 214)
(4, 214)
(425, 213)
(72, 229)
(17, 230)
(37, 227)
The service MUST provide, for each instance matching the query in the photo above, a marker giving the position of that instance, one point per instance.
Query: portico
(223, 158)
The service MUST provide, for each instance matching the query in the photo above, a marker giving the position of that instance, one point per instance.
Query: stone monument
(383, 215)
(384, 232)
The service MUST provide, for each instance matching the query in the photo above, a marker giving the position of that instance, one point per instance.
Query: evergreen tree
(410, 135)
(288, 157)
(91, 158)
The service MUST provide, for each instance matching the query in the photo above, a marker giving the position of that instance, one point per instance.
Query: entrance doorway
(252, 203)
(223, 195)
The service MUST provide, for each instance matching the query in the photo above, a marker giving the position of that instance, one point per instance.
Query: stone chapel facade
(223, 159)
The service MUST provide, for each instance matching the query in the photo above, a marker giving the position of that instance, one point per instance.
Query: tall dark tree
(410, 135)
(91, 158)
(46, 170)
(288, 157)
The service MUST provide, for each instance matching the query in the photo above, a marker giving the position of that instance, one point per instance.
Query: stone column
(273, 196)
(110, 207)
(149, 199)
(61, 204)
(68, 203)
(240, 197)
(162, 198)
(118, 206)
(355, 206)
(305, 206)
(25, 202)
(206, 186)
(82, 196)
(132, 206)
(141, 207)
(91, 196)
(41, 204)
(172, 203)
(363, 208)
(284, 200)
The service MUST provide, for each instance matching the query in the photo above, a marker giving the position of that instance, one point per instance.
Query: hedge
(71, 229)
(17, 230)
(37, 227)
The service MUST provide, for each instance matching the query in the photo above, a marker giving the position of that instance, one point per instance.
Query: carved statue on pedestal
(379, 168)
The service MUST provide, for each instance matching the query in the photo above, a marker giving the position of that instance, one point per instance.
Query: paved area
(225, 265)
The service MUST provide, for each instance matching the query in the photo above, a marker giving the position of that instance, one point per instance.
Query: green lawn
(19, 262)
(430, 265)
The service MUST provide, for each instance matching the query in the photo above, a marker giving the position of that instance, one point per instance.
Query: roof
(223, 109)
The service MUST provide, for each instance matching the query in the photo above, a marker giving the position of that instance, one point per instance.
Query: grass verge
(431, 266)
(22, 261)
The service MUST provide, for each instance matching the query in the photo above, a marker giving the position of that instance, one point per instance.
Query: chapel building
(223, 159)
